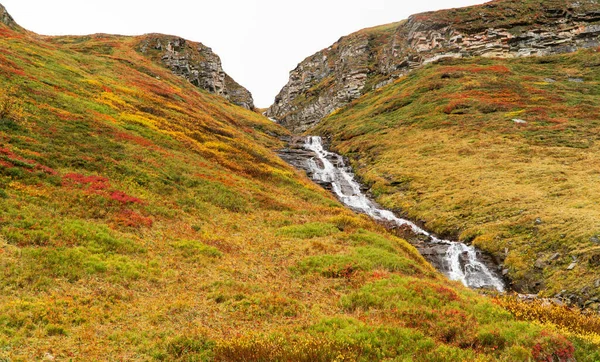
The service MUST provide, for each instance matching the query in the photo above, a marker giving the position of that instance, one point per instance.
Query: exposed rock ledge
(8, 20)
(198, 64)
(374, 57)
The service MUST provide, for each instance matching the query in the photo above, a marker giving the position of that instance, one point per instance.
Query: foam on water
(461, 260)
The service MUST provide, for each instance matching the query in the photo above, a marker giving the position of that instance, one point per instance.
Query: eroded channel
(455, 259)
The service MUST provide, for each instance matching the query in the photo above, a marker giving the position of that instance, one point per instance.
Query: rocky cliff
(8, 20)
(374, 57)
(198, 64)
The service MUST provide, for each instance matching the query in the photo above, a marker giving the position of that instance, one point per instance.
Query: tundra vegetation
(500, 153)
(144, 219)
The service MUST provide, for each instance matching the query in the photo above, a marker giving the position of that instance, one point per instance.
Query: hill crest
(372, 58)
(191, 60)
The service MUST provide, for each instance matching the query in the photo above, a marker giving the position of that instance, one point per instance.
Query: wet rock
(329, 170)
(561, 293)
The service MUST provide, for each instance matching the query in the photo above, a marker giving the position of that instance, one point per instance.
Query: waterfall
(460, 262)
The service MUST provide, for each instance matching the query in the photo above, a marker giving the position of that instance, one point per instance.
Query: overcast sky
(259, 41)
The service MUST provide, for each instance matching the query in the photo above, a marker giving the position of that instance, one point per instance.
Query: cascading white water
(460, 259)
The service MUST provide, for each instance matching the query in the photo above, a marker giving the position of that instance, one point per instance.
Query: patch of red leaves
(94, 184)
(130, 218)
(477, 69)
(135, 139)
(123, 198)
(553, 348)
(10, 156)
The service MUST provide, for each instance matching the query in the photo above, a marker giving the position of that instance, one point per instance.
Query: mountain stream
(457, 260)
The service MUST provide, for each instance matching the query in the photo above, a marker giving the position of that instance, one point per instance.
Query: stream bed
(455, 259)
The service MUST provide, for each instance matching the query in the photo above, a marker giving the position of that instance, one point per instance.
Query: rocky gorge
(454, 259)
(371, 58)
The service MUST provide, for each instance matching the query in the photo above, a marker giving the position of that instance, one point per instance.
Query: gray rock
(595, 239)
(6, 19)
(549, 80)
(197, 64)
(538, 221)
(575, 80)
(363, 61)
(505, 272)
(540, 264)
(555, 256)
(572, 265)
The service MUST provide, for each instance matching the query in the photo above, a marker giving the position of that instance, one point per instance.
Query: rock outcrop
(5, 17)
(374, 57)
(198, 64)
(8, 20)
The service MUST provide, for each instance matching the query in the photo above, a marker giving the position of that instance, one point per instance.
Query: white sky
(259, 41)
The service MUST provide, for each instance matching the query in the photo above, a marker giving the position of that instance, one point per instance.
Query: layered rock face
(8, 20)
(5, 16)
(196, 63)
(375, 57)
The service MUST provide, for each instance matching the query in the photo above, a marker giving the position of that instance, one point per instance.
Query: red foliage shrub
(124, 198)
(456, 107)
(47, 170)
(130, 218)
(92, 183)
(11, 156)
(477, 69)
(553, 348)
(6, 164)
(380, 274)
(135, 139)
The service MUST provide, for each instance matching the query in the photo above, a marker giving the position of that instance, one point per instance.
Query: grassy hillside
(507, 14)
(144, 219)
(447, 145)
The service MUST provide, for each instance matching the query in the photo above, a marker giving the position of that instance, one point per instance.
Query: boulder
(540, 264)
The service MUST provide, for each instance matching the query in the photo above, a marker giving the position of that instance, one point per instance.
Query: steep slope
(142, 218)
(503, 153)
(370, 58)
